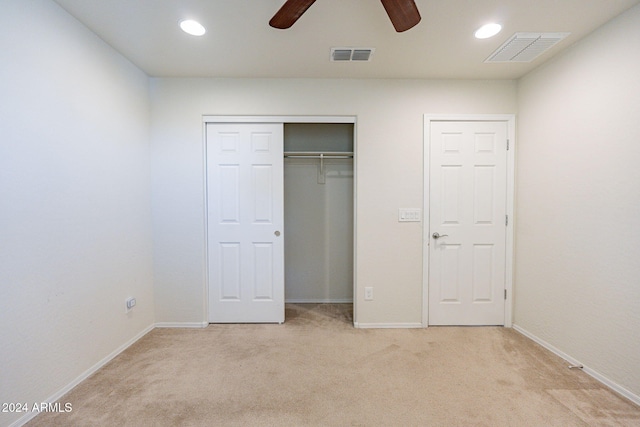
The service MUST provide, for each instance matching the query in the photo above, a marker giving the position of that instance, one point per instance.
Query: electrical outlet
(129, 303)
(368, 293)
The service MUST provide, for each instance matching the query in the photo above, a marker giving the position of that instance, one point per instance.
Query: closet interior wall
(318, 214)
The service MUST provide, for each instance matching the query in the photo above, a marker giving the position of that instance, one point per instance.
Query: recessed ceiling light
(487, 31)
(192, 27)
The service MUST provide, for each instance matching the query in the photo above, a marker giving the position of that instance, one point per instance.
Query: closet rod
(318, 154)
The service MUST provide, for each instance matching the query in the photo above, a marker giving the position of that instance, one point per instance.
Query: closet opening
(319, 216)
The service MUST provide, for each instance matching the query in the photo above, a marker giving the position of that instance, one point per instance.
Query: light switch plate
(409, 215)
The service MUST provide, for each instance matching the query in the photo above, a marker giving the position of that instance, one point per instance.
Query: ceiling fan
(403, 13)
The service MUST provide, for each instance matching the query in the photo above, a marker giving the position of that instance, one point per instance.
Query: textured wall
(578, 202)
(75, 214)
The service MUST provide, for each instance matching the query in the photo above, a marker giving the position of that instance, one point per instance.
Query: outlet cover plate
(368, 293)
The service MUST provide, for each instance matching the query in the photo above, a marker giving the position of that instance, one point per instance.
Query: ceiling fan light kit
(403, 14)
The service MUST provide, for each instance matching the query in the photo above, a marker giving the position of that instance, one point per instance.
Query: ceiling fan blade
(289, 13)
(404, 14)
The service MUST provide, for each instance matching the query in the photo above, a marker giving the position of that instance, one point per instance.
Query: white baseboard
(182, 325)
(319, 301)
(386, 325)
(595, 374)
(86, 374)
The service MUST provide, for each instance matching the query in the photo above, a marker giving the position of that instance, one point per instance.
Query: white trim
(510, 243)
(426, 218)
(319, 301)
(279, 119)
(469, 117)
(386, 325)
(595, 374)
(205, 228)
(183, 325)
(86, 374)
(355, 221)
(510, 119)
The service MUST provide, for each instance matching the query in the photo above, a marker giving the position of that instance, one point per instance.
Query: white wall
(75, 211)
(578, 202)
(75, 222)
(388, 167)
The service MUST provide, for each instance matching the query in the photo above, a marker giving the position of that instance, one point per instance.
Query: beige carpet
(317, 370)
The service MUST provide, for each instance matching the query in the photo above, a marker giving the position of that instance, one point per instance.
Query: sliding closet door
(245, 223)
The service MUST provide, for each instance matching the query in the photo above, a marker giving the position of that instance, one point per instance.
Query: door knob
(437, 235)
(277, 233)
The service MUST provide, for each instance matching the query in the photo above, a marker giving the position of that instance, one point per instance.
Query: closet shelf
(322, 155)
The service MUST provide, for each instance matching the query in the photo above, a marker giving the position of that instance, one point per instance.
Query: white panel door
(467, 199)
(245, 222)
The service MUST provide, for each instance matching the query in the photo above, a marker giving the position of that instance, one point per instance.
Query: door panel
(245, 223)
(467, 190)
(449, 278)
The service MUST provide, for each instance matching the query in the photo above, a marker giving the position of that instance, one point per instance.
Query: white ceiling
(240, 43)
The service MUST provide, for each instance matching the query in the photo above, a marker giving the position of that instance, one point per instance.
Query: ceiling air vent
(525, 47)
(349, 54)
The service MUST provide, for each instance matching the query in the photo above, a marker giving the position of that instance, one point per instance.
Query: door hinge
(506, 220)
(505, 294)
(507, 145)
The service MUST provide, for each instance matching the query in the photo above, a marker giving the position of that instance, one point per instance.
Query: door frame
(510, 120)
(277, 119)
